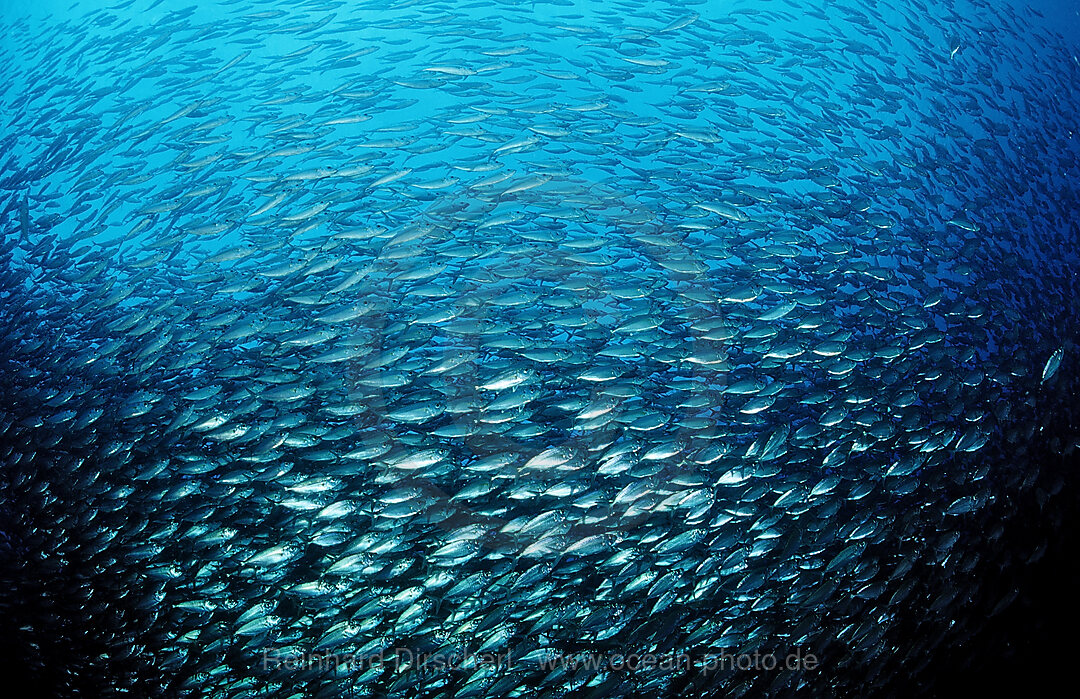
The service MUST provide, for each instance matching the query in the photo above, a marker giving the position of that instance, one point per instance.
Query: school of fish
(540, 330)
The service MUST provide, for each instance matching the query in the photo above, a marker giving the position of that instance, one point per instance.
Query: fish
(1052, 364)
(510, 349)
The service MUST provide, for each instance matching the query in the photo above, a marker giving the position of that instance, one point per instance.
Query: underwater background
(530, 349)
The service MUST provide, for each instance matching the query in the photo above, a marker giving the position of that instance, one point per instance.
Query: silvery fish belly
(528, 349)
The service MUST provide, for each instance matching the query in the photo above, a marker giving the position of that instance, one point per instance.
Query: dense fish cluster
(537, 330)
